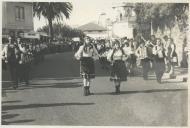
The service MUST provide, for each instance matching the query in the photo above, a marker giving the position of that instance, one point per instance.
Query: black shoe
(117, 89)
(88, 91)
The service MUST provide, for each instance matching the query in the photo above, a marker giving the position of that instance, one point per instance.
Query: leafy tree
(52, 11)
(161, 15)
(62, 31)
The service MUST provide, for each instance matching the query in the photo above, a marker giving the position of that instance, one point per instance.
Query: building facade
(94, 30)
(17, 17)
(124, 22)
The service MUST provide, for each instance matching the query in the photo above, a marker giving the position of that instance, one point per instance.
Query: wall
(122, 30)
(9, 18)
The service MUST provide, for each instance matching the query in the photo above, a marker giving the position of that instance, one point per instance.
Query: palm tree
(52, 11)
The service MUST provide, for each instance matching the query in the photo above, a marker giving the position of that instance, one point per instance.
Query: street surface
(55, 97)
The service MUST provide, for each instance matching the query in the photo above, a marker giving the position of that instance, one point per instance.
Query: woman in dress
(133, 58)
(127, 50)
(87, 69)
(159, 60)
(118, 70)
(172, 56)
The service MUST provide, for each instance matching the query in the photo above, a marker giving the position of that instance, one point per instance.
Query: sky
(84, 11)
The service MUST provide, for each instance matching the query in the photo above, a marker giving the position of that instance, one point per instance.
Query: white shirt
(157, 50)
(88, 53)
(141, 52)
(5, 50)
(22, 49)
(127, 50)
(117, 55)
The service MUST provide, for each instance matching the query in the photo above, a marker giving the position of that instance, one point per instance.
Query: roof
(123, 4)
(91, 27)
(40, 33)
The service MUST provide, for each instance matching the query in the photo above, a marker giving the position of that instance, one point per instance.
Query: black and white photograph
(95, 63)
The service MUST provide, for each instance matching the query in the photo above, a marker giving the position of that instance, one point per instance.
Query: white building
(94, 30)
(17, 17)
(124, 20)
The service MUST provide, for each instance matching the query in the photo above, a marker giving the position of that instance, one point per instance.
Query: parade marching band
(123, 56)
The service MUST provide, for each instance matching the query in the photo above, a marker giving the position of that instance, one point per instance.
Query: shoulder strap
(113, 54)
(122, 51)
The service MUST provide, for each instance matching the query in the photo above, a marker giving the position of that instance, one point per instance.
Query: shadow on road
(143, 91)
(4, 112)
(15, 101)
(58, 78)
(17, 121)
(57, 85)
(9, 116)
(175, 82)
(6, 116)
(10, 90)
(13, 107)
(45, 85)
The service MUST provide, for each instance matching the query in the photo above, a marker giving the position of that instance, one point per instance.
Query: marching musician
(118, 71)
(142, 53)
(159, 60)
(85, 54)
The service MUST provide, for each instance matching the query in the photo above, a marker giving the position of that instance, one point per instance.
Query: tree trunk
(50, 29)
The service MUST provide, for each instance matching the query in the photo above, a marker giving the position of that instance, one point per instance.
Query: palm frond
(52, 9)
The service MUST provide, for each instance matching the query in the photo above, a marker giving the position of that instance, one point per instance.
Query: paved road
(55, 98)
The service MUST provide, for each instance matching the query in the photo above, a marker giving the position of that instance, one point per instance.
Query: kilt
(87, 68)
(118, 71)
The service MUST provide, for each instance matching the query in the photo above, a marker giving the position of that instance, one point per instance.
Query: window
(20, 13)
(128, 11)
